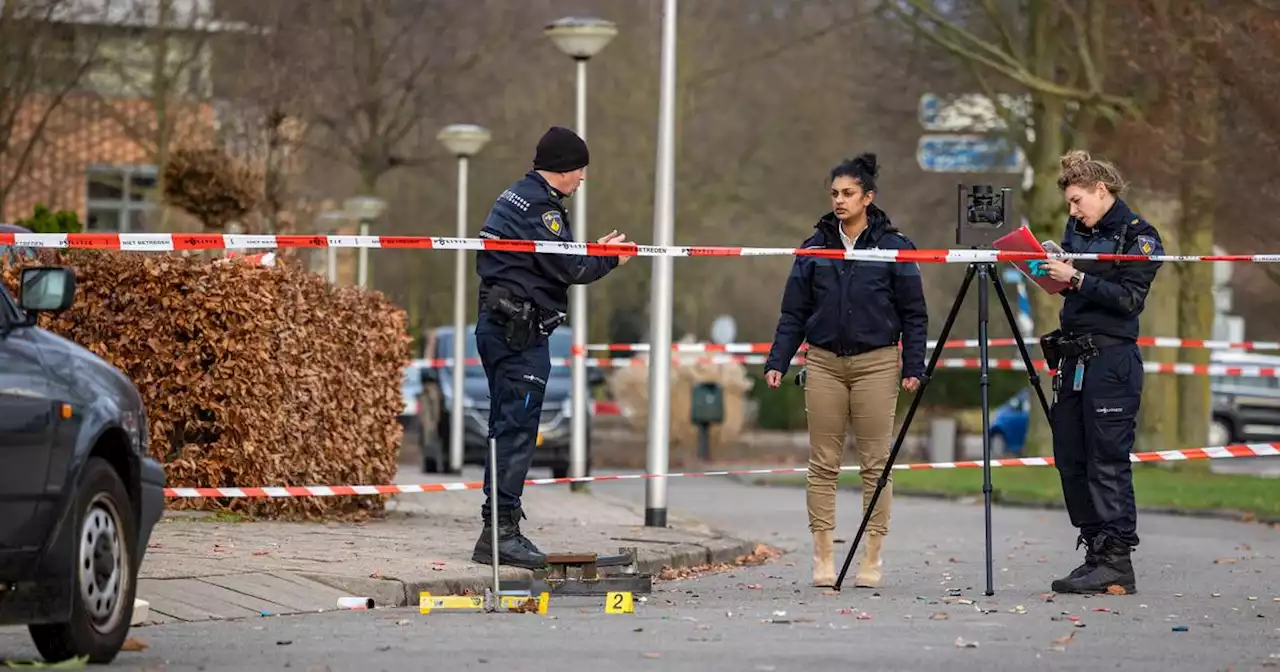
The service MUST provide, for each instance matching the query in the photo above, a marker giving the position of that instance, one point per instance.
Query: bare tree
(154, 79)
(1054, 51)
(377, 69)
(44, 55)
(261, 105)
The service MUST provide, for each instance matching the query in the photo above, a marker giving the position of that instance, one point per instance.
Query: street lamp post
(364, 209)
(657, 450)
(333, 220)
(580, 38)
(464, 141)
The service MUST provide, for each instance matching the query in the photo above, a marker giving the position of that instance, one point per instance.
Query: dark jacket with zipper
(1113, 293)
(852, 307)
(532, 209)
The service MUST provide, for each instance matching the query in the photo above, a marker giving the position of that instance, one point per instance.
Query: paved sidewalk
(198, 568)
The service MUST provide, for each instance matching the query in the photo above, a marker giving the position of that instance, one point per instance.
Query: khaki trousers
(838, 391)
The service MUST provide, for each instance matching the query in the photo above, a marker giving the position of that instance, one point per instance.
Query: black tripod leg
(984, 272)
(906, 422)
(1022, 348)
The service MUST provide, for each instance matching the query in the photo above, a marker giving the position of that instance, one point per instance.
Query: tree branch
(740, 62)
(1006, 60)
(1083, 45)
(1006, 36)
(1018, 72)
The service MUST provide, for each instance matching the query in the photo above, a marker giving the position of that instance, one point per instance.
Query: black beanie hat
(561, 151)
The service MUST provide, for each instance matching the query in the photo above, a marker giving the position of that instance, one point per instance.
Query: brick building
(97, 151)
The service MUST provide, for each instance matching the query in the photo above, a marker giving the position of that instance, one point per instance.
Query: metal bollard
(493, 509)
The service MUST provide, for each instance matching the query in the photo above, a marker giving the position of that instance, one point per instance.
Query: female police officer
(1098, 384)
(853, 314)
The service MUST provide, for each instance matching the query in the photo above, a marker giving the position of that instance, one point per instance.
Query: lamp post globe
(364, 208)
(581, 37)
(463, 139)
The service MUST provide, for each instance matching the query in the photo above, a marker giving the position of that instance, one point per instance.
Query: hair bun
(1075, 157)
(868, 162)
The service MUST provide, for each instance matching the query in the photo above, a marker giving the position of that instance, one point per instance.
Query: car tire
(435, 448)
(999, 445)
(430, 450)
(105, 572)
(561, 469)
(1220, 433)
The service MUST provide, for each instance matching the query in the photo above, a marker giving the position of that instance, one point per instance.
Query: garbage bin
(706, 408)
(942, 439)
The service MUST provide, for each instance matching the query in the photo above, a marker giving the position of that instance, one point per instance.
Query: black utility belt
(1058, 346)
(859, 349)
(521, 318)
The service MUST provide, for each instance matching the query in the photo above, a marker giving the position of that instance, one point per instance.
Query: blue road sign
(969, 154)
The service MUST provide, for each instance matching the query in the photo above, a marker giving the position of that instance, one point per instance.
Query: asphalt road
(1218, 579)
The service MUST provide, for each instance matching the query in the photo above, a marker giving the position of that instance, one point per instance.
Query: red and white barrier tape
(763, 348)
(166, 242)
(1212, 453)
(1179, 368)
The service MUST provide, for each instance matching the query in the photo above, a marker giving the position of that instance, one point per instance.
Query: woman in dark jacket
(853, 315)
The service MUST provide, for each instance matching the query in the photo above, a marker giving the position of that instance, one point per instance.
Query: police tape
(1178, 368)
(1210, 453)
(763, 348)
(170, 242)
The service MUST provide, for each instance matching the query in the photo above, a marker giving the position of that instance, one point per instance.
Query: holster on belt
(513, 314)
(1051, 345)
(521, 319)
(1058, 346)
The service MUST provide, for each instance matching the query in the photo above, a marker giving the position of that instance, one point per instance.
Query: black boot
(1114, 568)
(1090, 561)
(514, 548)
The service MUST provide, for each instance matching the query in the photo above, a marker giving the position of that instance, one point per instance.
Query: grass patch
(1154, 487)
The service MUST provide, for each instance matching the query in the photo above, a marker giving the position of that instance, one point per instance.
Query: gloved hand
(1037, 268)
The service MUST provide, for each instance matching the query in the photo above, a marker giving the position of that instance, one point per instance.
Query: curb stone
(401, 592)
(648, 561)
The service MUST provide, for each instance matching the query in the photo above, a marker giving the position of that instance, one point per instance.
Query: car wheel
(431, 462)
(999, 444)
(561, 469)
(1219, 433)
(105, 573)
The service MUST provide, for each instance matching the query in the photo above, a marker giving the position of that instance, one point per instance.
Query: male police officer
(523, 297)
(1098, 385)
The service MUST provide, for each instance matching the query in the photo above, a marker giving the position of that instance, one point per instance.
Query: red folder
(1022, 240)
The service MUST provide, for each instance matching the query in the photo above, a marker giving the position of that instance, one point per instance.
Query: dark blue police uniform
(1097, 393)
(523, 296)
(851, 307)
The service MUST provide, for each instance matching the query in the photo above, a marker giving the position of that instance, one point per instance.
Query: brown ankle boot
(824, 570)
(869, 569)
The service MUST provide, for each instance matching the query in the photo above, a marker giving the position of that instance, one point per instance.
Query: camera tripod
(985, 271)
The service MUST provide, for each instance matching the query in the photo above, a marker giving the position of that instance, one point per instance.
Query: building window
(121, 198)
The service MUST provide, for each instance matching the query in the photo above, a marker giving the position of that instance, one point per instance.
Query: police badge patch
(1147, 244)
(553, 222)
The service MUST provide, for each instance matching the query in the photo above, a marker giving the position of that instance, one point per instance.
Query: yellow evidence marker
(619, 603)
(449, 603)
(525, 604)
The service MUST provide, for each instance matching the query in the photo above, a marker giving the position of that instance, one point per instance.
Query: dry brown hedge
(251, 376)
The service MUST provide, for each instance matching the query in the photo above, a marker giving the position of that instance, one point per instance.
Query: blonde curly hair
(1081, 170)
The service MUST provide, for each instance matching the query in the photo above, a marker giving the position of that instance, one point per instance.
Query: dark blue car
(1009, 425)
(79, 494)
